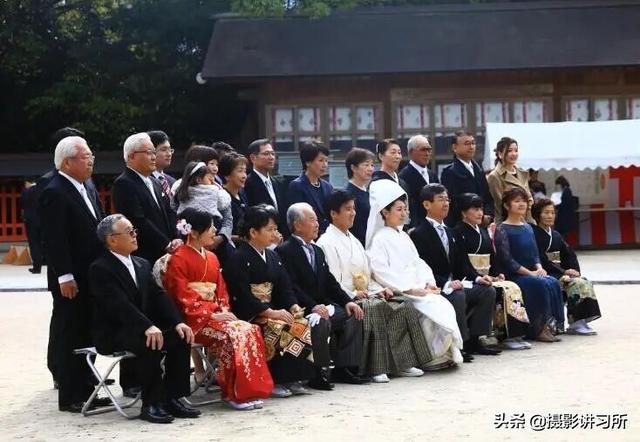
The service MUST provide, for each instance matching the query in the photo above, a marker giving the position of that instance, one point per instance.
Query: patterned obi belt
(480, 262)
(206, 290)
(554, 257)
(262, 291)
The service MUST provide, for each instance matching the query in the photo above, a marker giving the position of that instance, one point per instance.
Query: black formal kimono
(124, 310)
(156, 222)
(474, 306)
(556, 256)
(458, 180)
(317, 285)
(510, 317)
(415, 182)
(70, 245)
(255, 285)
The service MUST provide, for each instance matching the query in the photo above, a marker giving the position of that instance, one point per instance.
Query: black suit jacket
(122, 310)
(312, 287)
(431, 250)
(458, 180)
(256, 193)
(69, 231)
(415, 182)
(156, 224)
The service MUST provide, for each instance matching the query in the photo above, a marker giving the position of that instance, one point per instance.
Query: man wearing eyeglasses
(417, 175)
(70, 211)
(164, 154)
(134, 314)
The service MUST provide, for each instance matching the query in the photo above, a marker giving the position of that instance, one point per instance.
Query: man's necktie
(311, 256)
(443, 237)
(272, 194)
(85, 197)
(166, 189)
(149, 185)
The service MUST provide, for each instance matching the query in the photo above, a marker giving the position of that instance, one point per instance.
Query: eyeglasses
(268, 153)
(132, 233)
(85, 158)
(150, 153)
(165, 150)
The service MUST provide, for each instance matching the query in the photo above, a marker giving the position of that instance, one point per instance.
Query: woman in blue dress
(517, 254)
(360, 167)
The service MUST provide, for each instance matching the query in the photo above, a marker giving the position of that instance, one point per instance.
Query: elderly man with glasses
(132, 313)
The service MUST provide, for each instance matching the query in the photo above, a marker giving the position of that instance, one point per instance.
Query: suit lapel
(75, 195)
(312, 195)
(124, 275)
(430, 230)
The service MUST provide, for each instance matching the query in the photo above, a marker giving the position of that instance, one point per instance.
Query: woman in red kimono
(194, 280)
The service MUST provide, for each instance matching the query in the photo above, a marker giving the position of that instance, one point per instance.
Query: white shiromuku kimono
(392, 334)
(395, 263)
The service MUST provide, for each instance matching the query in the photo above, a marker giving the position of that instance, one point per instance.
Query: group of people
(299, 286)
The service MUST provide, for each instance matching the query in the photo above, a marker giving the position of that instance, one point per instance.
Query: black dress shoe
(75, 407)
(155, 414)
(131, 392)
(320, 384)
(35, 271)
(101, 402)
(178, 409)
(482, 350)
(466, 356)
(345, 376)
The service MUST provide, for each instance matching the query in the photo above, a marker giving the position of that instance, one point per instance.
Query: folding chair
(208, 382)
(91, 352)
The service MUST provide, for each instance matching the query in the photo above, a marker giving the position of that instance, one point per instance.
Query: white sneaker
(380, 378)
(580, 330)
(297, 389)
(512, 344)
(280, 391)
(240, 406)
(525, 344)
(412, 372)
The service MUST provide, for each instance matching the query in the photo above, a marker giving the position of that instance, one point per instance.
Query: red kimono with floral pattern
(196, 285)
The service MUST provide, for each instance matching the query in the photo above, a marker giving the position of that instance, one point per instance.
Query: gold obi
(360, 282)
(206, 290)
(554, 257)
(480, 262)
(262, 291)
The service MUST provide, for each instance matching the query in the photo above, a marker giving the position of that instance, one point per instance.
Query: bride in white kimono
(395, 263)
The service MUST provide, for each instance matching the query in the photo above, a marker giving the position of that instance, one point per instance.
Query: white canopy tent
(569, 145)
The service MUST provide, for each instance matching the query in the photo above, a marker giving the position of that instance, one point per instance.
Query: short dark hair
(337, 199)
(202, 153)
(562, 181)
(257, 217)
(429, 191)
(468, 200)
(254, 147)
(538, 207)
(158, 137)
(357, 156)
(222, 148)
(189, 178)
(200, 221)
(460, 133)
(62, 133)
(383, 146)
(511, 195)
(502, 147)
(229, 162)
(309, 151)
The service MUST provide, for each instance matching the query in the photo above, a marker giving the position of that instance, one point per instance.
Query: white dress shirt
(128, 263)
(421, 170)
(147, 181)
(468, 165)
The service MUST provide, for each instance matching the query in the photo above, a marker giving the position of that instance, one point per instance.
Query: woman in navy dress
(360, 167)
(517, 254)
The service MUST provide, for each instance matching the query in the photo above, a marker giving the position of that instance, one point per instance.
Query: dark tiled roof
(428, 39)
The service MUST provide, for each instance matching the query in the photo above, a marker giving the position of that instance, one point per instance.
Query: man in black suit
(32, 224)
(417, 175)
(465, 175)
(261, 186)
(70, 212)
(133, 314)
(471, 295)
(319, 293)
(140, 198)
(164, 155)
